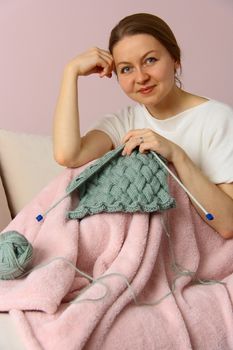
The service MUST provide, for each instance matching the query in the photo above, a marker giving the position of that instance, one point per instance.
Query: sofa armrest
(9, 337)
(27, 165)
(5, 215)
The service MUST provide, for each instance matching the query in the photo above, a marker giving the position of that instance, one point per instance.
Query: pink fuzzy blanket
(193, 316)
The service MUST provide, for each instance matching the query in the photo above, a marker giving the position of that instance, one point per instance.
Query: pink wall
(37, 38)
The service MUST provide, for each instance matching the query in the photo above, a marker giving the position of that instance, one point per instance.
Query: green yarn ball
(15, 254)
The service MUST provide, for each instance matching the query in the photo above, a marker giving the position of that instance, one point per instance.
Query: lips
(146, 90)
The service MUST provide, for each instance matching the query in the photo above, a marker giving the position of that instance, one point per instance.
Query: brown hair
(145, 23)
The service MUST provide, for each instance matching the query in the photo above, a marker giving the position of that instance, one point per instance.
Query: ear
(176, 66)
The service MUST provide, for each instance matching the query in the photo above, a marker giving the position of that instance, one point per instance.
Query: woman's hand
(70, 149)
(216, 199)
(93, 61)
(147, 139)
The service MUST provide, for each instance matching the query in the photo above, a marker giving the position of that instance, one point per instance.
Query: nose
(141, 76)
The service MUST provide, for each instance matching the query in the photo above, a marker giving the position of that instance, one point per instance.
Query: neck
(171, 105)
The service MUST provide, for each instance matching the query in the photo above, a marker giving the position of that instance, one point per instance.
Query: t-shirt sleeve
(115, 125)
(217, 160)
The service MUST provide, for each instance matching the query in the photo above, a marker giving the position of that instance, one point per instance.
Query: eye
(125, 69)
(151, 60)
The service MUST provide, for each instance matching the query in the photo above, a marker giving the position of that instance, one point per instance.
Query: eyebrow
(125, 62)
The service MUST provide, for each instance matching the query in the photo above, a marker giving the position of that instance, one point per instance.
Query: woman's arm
(216, 199)
(70, 149)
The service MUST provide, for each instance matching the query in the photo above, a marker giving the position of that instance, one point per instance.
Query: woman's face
(145, 70)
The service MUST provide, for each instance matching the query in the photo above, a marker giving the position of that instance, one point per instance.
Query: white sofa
(26, 166)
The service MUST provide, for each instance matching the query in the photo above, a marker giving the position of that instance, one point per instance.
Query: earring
(177, 75)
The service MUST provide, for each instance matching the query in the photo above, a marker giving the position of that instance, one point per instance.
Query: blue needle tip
(39, 217)
(209, 216)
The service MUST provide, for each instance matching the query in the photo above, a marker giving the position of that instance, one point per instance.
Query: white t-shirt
(205, 132)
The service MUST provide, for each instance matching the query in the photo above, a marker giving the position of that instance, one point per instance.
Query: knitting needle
(40, 217)
(208, 216)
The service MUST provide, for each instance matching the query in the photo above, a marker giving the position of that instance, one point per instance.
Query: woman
(192, 132)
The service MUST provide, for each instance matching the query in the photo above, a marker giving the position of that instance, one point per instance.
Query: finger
(107, 71)
(100, 51)
(105, 52)
(131, 145)
(109, 57)
(145, 147)
(104, 62)
(104, 69)
(134, 133)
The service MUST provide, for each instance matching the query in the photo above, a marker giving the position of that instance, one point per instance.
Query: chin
(143, 99)
(149, 100)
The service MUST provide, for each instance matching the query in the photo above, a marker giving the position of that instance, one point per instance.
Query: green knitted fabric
(116, 183)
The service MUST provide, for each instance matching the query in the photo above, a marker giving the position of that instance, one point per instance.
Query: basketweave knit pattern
(135, 183)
